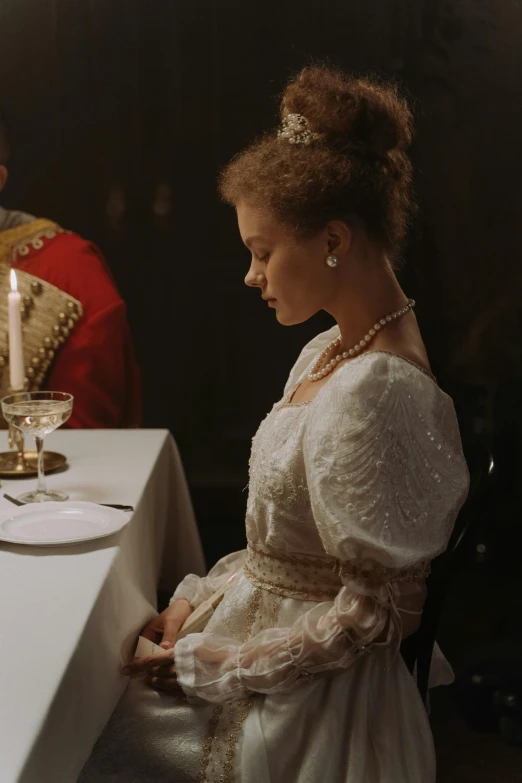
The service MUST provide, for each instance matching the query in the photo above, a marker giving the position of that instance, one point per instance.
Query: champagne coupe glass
(38, 414)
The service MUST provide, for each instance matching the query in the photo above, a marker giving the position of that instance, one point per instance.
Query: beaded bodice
(358, 471)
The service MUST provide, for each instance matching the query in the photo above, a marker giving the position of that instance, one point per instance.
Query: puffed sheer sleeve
(196, 589)
(386, 478)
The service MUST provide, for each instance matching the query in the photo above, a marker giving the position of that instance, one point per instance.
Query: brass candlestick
(13, 462)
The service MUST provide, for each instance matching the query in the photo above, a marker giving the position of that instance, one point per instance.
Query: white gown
(298, 677)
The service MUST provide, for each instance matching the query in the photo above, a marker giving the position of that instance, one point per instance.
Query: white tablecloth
(66, 613)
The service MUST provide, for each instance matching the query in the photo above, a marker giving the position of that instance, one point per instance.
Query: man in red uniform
(76, 335)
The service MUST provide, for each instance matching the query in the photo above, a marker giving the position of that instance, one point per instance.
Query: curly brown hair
(356, 167)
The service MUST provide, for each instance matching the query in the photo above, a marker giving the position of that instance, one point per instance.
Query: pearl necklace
(315, 375)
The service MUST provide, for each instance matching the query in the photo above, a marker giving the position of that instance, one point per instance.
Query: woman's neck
(364, 299)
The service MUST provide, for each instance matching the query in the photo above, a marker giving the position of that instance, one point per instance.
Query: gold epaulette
(49, 315)
(19, 240)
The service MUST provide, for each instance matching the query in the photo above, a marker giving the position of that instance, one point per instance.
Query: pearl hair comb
(296, 129)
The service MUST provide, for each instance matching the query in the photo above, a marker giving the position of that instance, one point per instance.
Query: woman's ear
(340, 237)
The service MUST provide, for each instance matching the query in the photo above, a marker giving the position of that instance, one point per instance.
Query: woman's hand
(159, 671)
(163, 629)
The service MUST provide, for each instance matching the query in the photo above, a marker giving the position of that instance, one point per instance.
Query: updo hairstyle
(356, 166)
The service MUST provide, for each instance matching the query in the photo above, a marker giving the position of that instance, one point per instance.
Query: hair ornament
(296, 129)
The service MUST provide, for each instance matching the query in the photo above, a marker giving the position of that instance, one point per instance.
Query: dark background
(123, 112)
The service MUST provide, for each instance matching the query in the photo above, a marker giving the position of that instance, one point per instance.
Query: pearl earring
(332, 261)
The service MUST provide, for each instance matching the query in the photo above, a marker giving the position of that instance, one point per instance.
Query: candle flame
(14, 281)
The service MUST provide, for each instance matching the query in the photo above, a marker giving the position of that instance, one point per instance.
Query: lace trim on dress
(224, 728)
(207, 744)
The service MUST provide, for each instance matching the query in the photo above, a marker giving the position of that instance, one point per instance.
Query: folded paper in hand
(146, 647)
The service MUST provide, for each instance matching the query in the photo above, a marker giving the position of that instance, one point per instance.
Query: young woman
(356, 478)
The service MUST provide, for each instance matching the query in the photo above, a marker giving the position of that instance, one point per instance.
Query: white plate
(53, 524)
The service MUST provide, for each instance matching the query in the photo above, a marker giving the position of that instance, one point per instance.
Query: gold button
(28, 301)
(70, 323)
(36, 287)
(30, 372)
(35, 361)
(56, 329)
(62, 318)
(42, 352)
(65, 331)
(48, 342)
(2, 361)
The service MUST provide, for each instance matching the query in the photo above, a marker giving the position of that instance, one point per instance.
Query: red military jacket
(96, 362)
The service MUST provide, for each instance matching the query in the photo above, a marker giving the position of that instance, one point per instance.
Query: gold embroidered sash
(319, 578)
(292, 576)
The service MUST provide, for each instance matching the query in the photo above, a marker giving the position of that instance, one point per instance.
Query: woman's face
(291, 274)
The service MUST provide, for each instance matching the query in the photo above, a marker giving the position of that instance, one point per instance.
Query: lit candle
(16, 348)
